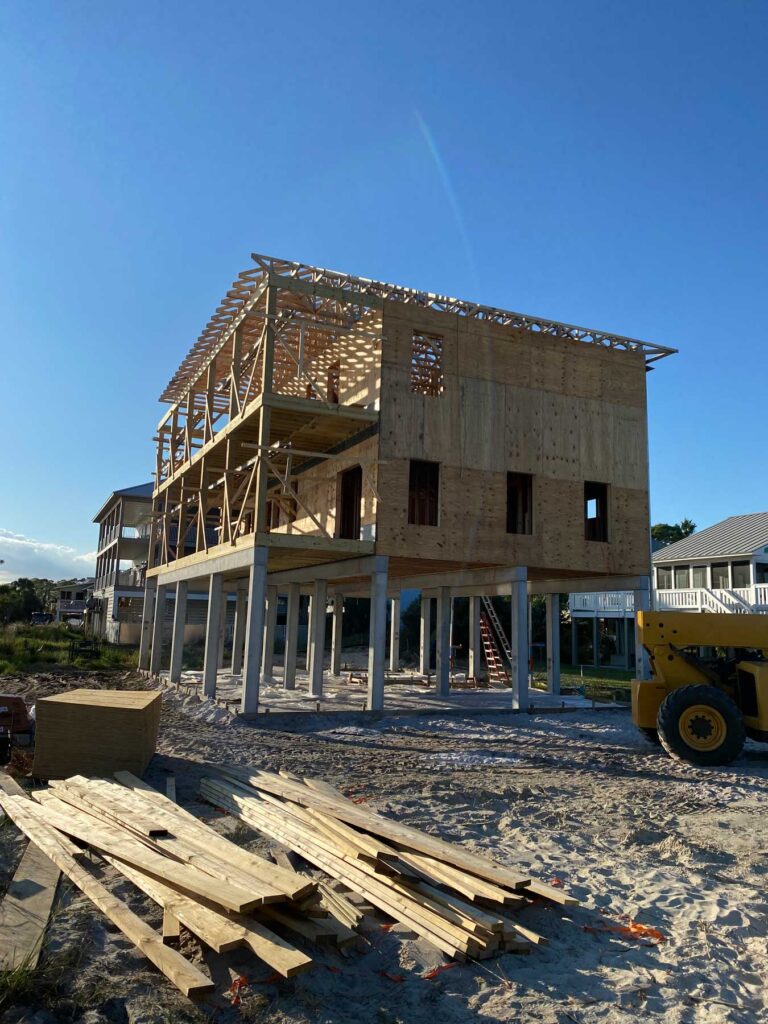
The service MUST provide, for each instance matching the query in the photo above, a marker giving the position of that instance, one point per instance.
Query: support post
(518, 639)
(309, 632)
(179, 622)
(425, 635)
(475, 661)
(291, 637)
(336, 634)
(377, 639)
(147, 619)
(596, 641)
(254, 631)
(212, 634)
(443, 645)
(223, 628)
(238, 636)
(268, 659)
(394, 635)
(317, 646)
(156, 655)
(642, 604)
(553, 643)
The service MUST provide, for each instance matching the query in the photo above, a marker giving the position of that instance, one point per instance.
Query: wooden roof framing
(334, 295)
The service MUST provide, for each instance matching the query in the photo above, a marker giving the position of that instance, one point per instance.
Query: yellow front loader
(709, 685)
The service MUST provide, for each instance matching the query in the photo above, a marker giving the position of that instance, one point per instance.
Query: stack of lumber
(463, 903)
(95, 732)
(223, 894)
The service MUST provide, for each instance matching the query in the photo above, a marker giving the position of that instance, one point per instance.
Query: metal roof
(240, 297)
(736, 535)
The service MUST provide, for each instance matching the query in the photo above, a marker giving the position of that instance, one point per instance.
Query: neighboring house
(723, 568)
(71, 599)
(121, 562)
(336, 436)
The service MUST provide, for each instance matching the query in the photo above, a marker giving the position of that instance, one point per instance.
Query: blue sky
(600, 163)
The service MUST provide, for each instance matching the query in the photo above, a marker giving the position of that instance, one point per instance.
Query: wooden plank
(220, 931)
(551, 893)
(171, 927)
(369, 821)
(26, 908)
(279, 877)
(183, 848)
(184, 975)
(122, 845)
(446, 937)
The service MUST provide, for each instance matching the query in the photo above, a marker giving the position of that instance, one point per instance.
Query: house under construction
(336, 436)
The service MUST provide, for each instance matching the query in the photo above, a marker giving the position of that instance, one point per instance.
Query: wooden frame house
(333, 435)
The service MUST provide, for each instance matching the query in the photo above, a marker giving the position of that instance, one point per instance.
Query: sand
(580, 797)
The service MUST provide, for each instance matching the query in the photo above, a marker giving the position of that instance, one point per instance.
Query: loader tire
(700, 724)
(652, 735)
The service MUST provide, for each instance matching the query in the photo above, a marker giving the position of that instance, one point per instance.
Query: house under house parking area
(337, 437)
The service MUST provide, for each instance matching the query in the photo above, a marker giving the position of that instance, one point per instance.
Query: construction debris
(462, 903)
(459, 901)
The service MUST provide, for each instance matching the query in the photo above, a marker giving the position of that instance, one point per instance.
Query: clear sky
(602, 163)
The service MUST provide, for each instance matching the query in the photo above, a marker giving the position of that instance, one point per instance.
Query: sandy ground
(578, 796)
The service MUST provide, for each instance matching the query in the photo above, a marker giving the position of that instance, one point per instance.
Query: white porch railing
(613, 602)
(699, 599)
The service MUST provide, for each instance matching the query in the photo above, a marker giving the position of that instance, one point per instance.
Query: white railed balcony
(700, 599)
(690, 599)
(613, 602)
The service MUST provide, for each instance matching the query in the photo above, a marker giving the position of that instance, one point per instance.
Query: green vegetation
(43, 648)
(21, 598)
(600, 684)
(668, 533)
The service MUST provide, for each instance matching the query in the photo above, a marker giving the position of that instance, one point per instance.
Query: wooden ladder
(497, 673)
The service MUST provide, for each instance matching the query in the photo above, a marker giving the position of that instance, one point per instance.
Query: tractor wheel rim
(702, 727)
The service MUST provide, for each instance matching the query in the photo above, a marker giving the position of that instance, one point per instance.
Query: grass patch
(46, 648)
(600, 684)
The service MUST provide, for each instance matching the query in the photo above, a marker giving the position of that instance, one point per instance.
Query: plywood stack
(463, 903)
(95, 732)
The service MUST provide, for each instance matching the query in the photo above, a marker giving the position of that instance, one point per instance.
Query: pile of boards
(465, 904)
(461, 902)
(223, 894)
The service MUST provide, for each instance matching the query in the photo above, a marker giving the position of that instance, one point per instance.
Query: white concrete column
(238, 637)
(268, 659)
(317, 647)
(518, 638)
(212, 634)
(443, 644)
(291, 637)
(223, 627)
(377, 640)
(156, 655)
(179, 622)
(642, 604)
(394, 635)
(425, 632)
(309, 631)
(336, 634)
(254, 631)
(553, 643)
(475, 646)
(147, 619)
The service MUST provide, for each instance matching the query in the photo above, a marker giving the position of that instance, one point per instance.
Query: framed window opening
(427, 376)
(423, 493)
(596, 511)
(519, 503)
